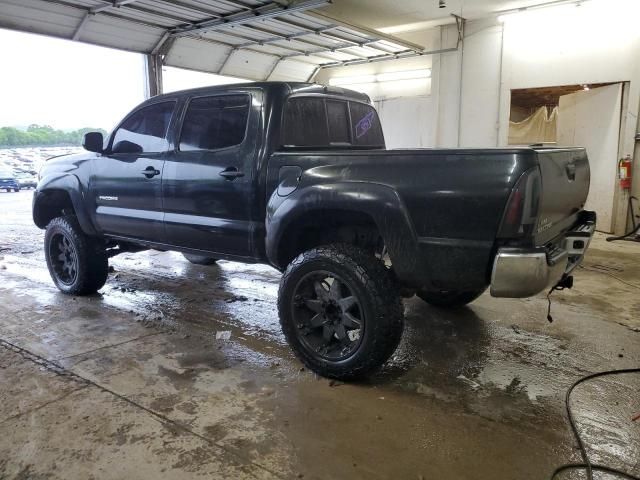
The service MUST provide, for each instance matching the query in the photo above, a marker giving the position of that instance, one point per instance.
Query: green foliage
(42, 135)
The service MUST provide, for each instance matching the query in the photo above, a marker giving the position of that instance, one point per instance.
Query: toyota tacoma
(297, 176)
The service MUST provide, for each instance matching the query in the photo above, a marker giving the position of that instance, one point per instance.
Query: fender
(70, 184)
(380, 202)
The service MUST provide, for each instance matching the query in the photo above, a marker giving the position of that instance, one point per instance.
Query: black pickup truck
(297, 176)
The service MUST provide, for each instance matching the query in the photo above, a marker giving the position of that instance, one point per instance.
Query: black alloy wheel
(78, 264)
(64, 258)
(340, 311)
(328, 315)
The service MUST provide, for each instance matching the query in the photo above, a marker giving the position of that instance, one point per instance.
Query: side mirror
(93, 142)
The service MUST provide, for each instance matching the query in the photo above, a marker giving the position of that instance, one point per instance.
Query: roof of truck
(292, 87)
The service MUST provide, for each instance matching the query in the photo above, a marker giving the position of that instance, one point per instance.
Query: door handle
(150, 172)
(231, 173)
(570, 168)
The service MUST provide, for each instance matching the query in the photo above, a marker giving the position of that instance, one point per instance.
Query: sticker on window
(364, 125)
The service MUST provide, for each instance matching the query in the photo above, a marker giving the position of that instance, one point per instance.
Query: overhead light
(518, 11)
(352, 80)
(406, 75)
(382, 77)
(442, 4)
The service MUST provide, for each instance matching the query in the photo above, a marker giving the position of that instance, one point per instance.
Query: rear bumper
(519, 273)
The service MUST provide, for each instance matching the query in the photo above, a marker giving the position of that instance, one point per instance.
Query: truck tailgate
(565, 186)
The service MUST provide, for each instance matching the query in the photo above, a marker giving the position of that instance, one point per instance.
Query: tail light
(521, 213)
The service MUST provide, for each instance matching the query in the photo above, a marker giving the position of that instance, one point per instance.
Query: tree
(42, 135)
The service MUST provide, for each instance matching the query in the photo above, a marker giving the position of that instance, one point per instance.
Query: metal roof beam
(115, 14)
(277, 37)
(332, 36)
(382, 58)
(232, 47)
(269, 10)
(81, 25)
(367, 31)
(112, 4)
(135, 8)
(272, 69)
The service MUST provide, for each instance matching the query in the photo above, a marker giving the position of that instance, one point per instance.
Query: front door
(207, 180)
(126, 182)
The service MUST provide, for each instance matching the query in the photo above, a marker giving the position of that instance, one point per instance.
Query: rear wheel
(200, 259)
(340, 311)
(77, 263)
(449, 298)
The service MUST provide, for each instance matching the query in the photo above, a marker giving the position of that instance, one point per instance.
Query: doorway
(575, 115)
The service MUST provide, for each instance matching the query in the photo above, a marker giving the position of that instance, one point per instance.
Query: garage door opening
(563, 116)
(533, 114)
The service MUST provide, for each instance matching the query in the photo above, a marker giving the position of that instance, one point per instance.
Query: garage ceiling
(254, 39)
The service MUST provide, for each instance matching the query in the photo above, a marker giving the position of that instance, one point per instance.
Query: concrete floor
(134, 383)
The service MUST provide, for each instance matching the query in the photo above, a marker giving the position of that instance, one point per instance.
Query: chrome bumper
(519, 273)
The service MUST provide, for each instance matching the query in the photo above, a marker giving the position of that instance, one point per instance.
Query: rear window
(365, 125)
(305, 123)
(214, 122)
(326, 122)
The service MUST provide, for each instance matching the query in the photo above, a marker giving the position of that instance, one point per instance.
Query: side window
(365, 125)
(305, 123)
(338, 114)
(145, 131)
(214, 122)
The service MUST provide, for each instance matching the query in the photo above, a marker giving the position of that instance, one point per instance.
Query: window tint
(338, 114)
(365, 125)
(144, 131)
(214, 122)
(305, 123)
(322, 122)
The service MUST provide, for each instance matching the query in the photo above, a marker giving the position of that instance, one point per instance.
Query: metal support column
(153, 83)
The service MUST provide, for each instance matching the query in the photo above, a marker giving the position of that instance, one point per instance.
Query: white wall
(405, 107)
(406, 122)
(596, 42)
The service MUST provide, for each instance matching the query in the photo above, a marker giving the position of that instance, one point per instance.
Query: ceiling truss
(284, 30)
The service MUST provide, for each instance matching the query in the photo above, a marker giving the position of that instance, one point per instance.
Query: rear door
(208, 178)
(126, 181)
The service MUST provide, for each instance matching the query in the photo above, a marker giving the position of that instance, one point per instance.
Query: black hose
(635, 229)
(587, 465)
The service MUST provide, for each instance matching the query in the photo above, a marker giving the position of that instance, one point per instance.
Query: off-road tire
(376, 291)
(92, 261)
(449, 299)
(199, 259)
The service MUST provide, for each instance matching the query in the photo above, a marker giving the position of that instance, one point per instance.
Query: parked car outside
(8, 180)
(26, 180)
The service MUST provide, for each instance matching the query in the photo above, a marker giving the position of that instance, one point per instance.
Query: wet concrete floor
(180, 371)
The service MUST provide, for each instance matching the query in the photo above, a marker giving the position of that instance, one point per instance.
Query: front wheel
(449, 298)
(340, 311)
(77, 264)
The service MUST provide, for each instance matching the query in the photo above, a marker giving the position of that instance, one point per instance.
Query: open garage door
(591, 118)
